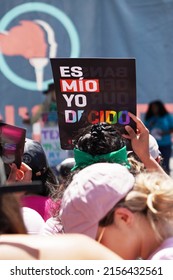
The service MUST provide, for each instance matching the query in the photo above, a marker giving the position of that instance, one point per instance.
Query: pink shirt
(164, 252)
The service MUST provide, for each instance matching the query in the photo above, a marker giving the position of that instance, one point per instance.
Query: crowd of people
(111, 201)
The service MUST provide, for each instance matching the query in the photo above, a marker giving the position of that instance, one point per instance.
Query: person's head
(35, 157)
(51, 91)
(156, 108)
(145, 215)
(50, 88)
(100, 142)
(93, 192)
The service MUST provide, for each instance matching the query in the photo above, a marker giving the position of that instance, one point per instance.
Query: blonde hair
(136, 167)
(152, 194)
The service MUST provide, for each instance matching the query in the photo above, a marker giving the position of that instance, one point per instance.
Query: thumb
(19, 175)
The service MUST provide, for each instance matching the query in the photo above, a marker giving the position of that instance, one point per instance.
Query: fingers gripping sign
(23, 174)
(140, 144)
(139, 138)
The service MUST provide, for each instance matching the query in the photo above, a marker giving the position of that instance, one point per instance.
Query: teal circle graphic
(48, 9)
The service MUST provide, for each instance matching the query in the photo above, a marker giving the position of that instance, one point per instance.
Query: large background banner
(92, 90)
(33, 31)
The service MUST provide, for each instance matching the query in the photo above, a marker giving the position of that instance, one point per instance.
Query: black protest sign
(92, 90)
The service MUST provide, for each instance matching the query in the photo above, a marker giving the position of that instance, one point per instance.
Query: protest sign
(51, 144)
(92, 90)
(12, 140)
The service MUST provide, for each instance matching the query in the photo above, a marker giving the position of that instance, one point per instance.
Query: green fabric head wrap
(84, 159)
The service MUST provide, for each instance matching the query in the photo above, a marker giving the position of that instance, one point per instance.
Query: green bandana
(84, 159)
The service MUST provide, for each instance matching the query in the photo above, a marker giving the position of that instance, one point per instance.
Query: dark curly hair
(100, 138)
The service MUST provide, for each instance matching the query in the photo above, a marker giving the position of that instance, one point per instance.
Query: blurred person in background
(35, 157)
(160, 124)
(47, 110)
